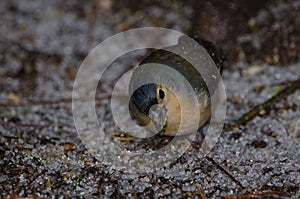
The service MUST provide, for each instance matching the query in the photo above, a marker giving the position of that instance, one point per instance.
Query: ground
(43, 44)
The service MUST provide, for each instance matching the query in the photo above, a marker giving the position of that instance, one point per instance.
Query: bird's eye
(161, 94)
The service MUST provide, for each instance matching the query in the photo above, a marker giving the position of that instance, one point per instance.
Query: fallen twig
(265, 107)
(258, 195)
(38, 126)
(32, 102)
(224, 171)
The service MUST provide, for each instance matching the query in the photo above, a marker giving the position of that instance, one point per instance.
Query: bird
(156, 106)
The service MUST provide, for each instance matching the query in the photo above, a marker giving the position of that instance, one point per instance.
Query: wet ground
(42, 46)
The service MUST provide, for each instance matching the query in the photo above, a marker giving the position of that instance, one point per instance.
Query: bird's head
(154, 106)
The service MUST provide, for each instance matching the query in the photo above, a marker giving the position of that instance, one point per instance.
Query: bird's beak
(158, 115)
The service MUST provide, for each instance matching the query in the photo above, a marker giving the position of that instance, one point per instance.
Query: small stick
(265, 107)
(258, 195)
(224, 171)
(32, 102)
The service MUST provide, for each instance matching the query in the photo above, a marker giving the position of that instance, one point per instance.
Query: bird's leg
(154, 142)
(199, 138)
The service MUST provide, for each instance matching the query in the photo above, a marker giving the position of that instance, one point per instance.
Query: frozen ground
(42, 46)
